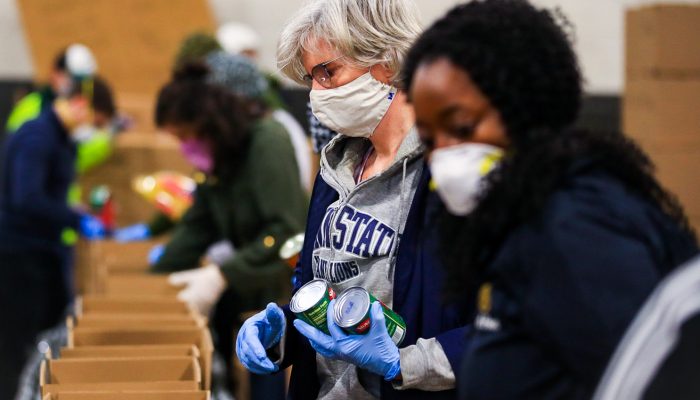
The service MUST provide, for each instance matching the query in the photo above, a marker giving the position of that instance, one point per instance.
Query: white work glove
(203, 287)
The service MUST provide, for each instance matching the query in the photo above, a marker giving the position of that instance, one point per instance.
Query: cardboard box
(130, 351)
(98, 304)
(125, 258)
(78, 337)
(663, 113)
(139, 108)
(695, 222)
(96, 370)
(136, 321)
(678, 172)
(155, 285)
(662, 41)
(161, 395)
(97, 260)
(47, 388)
(134, 41)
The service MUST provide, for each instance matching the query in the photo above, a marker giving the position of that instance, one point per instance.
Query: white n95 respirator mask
(354, 109)
(458, 173)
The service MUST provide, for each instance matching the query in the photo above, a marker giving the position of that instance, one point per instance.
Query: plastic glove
(155, 254)
(258, 333)
(132, 233)
(203, 287)
(373, 351)
(91, 227)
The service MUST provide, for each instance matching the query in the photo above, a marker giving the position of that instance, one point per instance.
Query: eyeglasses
(321, 74)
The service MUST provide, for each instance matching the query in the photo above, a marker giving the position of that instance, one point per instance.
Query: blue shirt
(38, 168)
(563, 288)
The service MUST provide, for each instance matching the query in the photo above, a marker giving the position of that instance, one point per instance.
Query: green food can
(351, 313)
(310, 303)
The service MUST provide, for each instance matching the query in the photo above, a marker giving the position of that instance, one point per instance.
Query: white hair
(366, 32)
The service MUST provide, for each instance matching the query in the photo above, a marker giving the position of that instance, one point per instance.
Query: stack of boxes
(132, 339)
(661, 105)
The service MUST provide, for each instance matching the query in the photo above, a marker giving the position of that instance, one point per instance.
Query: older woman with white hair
(368, 224)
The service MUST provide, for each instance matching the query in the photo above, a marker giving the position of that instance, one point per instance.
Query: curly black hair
(522, 60)
(213, 112)
(516, 54)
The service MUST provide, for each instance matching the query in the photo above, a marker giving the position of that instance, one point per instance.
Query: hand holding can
(352, 313)
(373, 351)
(310, 303)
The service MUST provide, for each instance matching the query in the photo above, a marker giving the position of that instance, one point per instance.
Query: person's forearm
(424, 366)
(48, 211)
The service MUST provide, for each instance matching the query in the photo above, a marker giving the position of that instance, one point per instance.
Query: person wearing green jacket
(252, 196)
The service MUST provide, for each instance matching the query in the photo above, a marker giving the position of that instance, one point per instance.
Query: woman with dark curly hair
(250, 195)
(564, 232)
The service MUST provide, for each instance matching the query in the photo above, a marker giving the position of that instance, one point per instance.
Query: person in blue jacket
(38, 168)
(565, 232)
(370, 219)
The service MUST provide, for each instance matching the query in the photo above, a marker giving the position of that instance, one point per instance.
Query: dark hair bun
(191, 71)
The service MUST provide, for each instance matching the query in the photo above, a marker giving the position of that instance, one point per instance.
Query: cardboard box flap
(141, 336)
(120, 386)
(154, 285)
(160, 395)
(129, 304)
(96, 370)
(138, 321)
(130, 351)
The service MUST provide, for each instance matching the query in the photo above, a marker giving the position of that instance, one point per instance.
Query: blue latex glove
(132, 233)
(259, 332)
(91, 227)
(373, 351)
(155, 254)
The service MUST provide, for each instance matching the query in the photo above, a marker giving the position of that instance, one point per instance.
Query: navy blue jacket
(38, 168)
(418, 296)
(559, 294)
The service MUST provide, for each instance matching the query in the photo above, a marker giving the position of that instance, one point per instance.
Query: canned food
(351, 313)
(310, 303)
(290, 250)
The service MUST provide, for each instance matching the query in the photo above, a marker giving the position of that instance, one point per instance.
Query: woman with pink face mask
(251, 196)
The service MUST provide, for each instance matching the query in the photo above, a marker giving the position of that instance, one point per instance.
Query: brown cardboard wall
(123, 370)
(98, 260)
(200, 337)
(679, 172)
(156, 285)
(130, 351)
(137, 321)
(660, 41)
(135, 306)
(134, 41)
(662, 95)
(119, 386)
(163, 395)
(663, 113)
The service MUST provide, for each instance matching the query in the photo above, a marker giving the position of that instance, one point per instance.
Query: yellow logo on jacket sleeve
(485, 298)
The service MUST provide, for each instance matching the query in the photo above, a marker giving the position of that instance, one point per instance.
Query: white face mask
(354, 109)
(83, 133)
(458, 173)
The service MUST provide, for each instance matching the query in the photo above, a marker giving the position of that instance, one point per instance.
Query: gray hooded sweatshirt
(356, 246)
